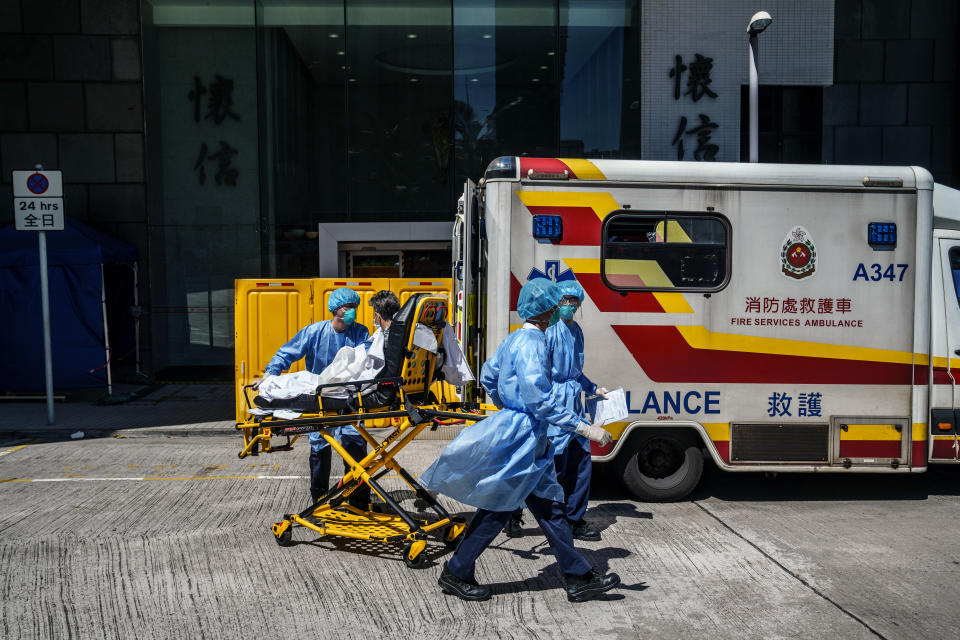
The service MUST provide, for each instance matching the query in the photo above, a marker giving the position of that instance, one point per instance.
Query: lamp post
(760, 21)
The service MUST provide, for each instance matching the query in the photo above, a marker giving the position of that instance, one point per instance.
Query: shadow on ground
(785, 487)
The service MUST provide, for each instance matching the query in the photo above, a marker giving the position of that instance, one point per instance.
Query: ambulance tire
(661, 467)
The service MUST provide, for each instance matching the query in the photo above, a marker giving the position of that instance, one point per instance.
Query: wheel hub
(659, 457)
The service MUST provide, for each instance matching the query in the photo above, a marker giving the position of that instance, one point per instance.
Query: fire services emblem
(798, 256)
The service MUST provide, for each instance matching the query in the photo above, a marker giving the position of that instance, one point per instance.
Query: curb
(88, 434)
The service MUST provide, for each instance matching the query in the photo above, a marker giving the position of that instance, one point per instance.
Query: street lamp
(760, 21)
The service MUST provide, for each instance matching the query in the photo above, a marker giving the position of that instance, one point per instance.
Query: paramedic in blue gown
(506, 461)
(317, 344)
(571, 451)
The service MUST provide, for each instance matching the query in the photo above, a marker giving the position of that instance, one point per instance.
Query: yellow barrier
(269, 311)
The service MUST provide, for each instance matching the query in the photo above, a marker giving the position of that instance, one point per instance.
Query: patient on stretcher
(289, 395)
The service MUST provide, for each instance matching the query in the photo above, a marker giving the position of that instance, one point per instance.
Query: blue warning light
(882, 236)
(548, 228)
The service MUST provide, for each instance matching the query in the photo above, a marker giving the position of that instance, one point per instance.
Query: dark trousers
(356, 446)
(573, 473)
(574, 467)
(486, 525)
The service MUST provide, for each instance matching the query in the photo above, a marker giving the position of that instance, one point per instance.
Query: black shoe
(514, 527)
(452, 585)
(583, 531)
(590, 585)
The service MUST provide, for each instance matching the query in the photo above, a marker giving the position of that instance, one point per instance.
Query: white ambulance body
(774, 317)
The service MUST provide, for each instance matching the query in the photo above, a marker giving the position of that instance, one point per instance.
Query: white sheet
(356, 364)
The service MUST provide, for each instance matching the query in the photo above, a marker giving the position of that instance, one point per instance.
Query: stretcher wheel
(285, 537)
(453, 534)
(413, 555)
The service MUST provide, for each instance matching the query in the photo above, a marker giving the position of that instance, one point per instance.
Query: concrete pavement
(160, 537)
(172, 408)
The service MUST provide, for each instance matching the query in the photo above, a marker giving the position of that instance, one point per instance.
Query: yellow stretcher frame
(331, 515)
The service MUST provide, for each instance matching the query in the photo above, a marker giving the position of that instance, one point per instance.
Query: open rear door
(467, 273)
(945, 414)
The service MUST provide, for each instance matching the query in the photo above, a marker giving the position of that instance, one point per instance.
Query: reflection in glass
(398, 93)
(374, 265)
(599, 66)
(658, 251)
(302, 74)
(202, 113)
(505, 81)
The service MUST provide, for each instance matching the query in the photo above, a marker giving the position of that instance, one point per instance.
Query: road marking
(153, 478)
(17, 448)
(179, 478)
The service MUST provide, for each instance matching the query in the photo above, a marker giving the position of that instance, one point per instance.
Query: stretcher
(389, 412)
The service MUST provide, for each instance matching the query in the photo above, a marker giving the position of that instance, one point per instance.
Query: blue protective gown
(565, 345)
(496, 463)
(318, 344)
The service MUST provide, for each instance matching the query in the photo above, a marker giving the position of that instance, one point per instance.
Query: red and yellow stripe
(576, 168)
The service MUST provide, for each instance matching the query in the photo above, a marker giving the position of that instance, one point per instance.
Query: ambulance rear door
(467, 274)
(945, 403)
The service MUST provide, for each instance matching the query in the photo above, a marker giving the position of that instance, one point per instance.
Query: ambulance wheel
(418, 561)
(662, 467)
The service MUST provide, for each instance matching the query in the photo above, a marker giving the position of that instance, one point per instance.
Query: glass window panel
(378, 265)
(399, 123)
(697, 230)
(789, 124)
(201, 92)
(302, 66)
(662, 252)
(426, 263)
(505, 81)
(626, 231)
(599, 65)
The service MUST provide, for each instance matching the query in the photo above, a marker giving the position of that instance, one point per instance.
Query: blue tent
(75, 259)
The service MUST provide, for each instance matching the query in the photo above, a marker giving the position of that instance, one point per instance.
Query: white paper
(613, 409)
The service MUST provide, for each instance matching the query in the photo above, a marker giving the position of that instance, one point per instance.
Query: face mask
(567, 311)
(555, 318)
(349, 316)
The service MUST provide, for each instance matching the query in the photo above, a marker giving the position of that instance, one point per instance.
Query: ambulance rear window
(955, 270)
(665, 251)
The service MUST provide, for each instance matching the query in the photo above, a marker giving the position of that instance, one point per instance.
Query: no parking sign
(38, 206)
(38, 200)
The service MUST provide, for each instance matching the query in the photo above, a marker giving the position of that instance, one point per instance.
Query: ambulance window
(955, 270)
(664, 251)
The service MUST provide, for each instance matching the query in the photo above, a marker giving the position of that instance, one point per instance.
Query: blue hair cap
(571, 288)
(342, 296)
(536, 296)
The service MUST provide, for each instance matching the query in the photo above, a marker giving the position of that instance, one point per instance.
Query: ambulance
(774, 318)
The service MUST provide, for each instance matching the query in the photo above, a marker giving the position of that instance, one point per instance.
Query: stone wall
(71, 98)
(894, 98)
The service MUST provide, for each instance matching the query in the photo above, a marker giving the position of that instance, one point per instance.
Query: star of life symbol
(798, 256)
(551, 271)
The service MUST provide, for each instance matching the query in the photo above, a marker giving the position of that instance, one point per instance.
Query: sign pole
(45, 303)
(38, 206)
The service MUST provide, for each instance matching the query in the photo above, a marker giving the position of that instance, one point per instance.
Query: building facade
(230, 139)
